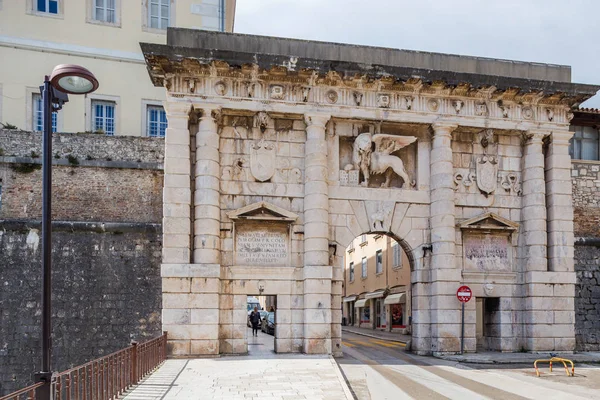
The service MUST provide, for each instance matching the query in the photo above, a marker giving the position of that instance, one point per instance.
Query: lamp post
(65, 79)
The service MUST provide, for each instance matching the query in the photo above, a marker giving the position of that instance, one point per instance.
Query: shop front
(395, 305)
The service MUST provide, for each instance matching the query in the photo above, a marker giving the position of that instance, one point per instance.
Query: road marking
(388, 343)
(346, 343)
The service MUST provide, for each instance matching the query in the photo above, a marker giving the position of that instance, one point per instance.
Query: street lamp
(72, 79)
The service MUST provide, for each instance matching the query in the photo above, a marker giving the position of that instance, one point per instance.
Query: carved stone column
(205, 287)
(317, 271)
(445, 277)
(534, 204)
(207, 215)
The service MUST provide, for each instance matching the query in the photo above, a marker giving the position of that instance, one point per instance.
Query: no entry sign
(464, 294)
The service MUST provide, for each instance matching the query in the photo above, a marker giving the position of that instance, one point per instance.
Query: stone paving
(377, 334)
(261, 375)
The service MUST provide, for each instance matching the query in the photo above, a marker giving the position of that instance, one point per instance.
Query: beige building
(376, 284)
(103, 36)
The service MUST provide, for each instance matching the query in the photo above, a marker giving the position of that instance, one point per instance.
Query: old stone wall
(586, 202)
(105, 286)
(83, 146)
(107, 210)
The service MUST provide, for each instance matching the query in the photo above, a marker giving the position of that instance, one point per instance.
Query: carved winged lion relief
(372, 154)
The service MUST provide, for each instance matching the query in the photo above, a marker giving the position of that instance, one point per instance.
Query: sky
(565, 32)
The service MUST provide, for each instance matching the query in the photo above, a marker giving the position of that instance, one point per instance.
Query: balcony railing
(105, 378)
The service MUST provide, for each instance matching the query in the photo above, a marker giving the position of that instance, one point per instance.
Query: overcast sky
(563, 32)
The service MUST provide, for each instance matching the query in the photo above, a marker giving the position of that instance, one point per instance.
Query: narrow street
(379, 370)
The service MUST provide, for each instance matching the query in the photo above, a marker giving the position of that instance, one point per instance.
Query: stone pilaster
(559, 203)
(317, 271)
(445, 277)
(177, 186)
(177, 228)
(533, 211)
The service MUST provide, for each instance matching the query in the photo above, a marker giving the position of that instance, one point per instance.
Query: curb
(374, 336)
(341, 378)
(508, 362)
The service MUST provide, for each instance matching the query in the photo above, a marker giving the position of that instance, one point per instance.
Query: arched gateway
(279, 152)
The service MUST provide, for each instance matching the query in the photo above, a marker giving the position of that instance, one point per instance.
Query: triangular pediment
(262, 211)
(489, 221)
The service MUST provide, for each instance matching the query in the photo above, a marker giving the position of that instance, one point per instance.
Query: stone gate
(279, 152)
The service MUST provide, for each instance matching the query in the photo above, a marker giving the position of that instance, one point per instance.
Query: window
(364, 267)
(47, 6)
(351, 268)
(103, 117)
(38, 115)
(213, 16)
(585, 143)
(105, 11)
(397, 255)
(378, 262)
(159, 12)
(156, 121)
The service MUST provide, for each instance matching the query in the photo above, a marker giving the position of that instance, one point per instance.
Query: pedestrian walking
(255, 320)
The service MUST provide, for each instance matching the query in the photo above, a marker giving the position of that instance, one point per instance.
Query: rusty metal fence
(105, 378)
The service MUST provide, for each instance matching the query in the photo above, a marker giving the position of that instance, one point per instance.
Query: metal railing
(105, 378)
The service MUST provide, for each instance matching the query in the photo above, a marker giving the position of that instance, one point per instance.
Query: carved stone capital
(561, 138)
(443, 128)
(319, 120)
(534, 137)
(211, 112)
(177, 109)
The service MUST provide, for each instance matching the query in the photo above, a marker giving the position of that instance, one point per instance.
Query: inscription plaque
(262, 245)
(487, 253)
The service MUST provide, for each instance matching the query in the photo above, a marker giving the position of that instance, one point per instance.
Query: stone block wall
(586, 202)
(107, 240)
(106, 292)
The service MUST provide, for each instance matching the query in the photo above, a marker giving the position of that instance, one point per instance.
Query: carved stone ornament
(409, 102)
(380, 160)
(481, 109)
(262, 160)
(458, 105)
(527, 112)
(305, 93)
(433, 105)
(505, 110)
(261, 120)
(220, 88)
(487, 174)
(358, 96)
(510, 183)
(331, 96)
(277, 92)
(383, 100)
(550, 114)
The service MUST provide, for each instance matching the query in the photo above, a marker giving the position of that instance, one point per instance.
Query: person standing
(255, 321)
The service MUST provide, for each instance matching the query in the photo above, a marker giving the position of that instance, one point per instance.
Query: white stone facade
(254, 149)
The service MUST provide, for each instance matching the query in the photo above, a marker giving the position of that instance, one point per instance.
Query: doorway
(487, 327)
(262, 340)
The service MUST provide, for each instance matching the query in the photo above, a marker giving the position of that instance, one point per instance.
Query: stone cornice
(256, 72)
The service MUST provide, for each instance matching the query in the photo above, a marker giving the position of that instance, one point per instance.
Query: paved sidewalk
(278, 377)
(377, 334)
(492, 357)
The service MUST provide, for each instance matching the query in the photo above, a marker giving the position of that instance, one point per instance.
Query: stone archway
(319, 138)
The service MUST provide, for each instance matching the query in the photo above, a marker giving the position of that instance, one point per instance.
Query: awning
(360, 303)
(399, 298)
(374, 295)
(349, 299)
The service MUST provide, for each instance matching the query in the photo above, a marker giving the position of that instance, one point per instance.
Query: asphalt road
(378, 369)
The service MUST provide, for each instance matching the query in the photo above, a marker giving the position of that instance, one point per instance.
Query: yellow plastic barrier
(564, 361)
